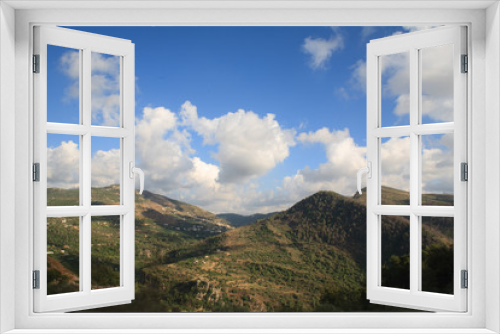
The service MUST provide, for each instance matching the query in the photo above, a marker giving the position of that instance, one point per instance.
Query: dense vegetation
(237, 220)
(311, 257)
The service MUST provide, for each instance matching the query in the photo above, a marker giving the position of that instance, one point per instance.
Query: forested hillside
(311, 257)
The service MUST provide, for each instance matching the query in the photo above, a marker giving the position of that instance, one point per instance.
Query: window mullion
(85, 231)
(414, 171)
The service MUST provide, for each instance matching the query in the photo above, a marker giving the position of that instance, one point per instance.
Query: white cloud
(248, 145)
(105, 168)
(321, 49)
(356, 82)
(437, 164)
(63, 165)
(70, 64)
(417, 28)
(162, 150)
(172, 167)
(164, 153)
(105, 85)
(395, 163)
(358, 76)
(342, 93)
(395, 74)
(437, 79)
(367, 32)
(338, 173)
(437, 82)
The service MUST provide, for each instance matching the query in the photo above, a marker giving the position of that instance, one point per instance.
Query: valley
(309, 258)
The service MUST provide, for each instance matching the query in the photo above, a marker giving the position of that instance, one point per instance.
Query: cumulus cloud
(173, 169)
(105, 168)
(395, 163)
(358, 76)
(105, 85)
(248, 145)
(437, 81)
(344, 158)
(320, 50)
(162, 149)
(70, 66)
(244, 144)
(437, 164)
(356, 83)
(63, 165)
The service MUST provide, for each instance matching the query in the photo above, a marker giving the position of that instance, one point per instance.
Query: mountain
(161, 224)
(237, 220)
(311, 257)
(391, 196)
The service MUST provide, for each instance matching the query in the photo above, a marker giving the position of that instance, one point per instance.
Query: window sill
(251, 331)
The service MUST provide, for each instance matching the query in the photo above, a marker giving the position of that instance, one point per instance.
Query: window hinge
(465, 64)
(36, 63)
(36, 172)
(464, 171)
(464, 279)
(36, 279)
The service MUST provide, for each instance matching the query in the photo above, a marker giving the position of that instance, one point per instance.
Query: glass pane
(437, 254)
(63, 255)
(106, 164)
(63, 170)
(105, 252)
(396, 251)
(105, 84)
(437, 84)
(437, 170)
(395, 171)
(395, 89)
(63, 85)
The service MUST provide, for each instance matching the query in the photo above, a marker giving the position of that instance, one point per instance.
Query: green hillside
(237, 220)
(391, 196)
(311, 257)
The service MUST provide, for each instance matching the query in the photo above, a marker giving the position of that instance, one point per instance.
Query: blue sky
(309, 78)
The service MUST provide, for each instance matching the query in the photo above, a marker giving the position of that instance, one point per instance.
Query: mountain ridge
(238, 220)
(310, 257)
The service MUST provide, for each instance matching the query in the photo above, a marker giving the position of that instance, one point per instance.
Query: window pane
(105, 252)
(396, 251)
(395, 171)
(437, 84)
(437, 254)
(63, 85)
(437, 170)
(395, 89)
(106, 171)
(63, 255)
(105, 84)
(63, 170)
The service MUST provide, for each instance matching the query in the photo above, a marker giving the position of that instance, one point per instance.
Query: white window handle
(139, 171)
(368, 171)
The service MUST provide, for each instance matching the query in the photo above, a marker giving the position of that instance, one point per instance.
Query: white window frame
(484, 212)
(413, 43)
(85, 43)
